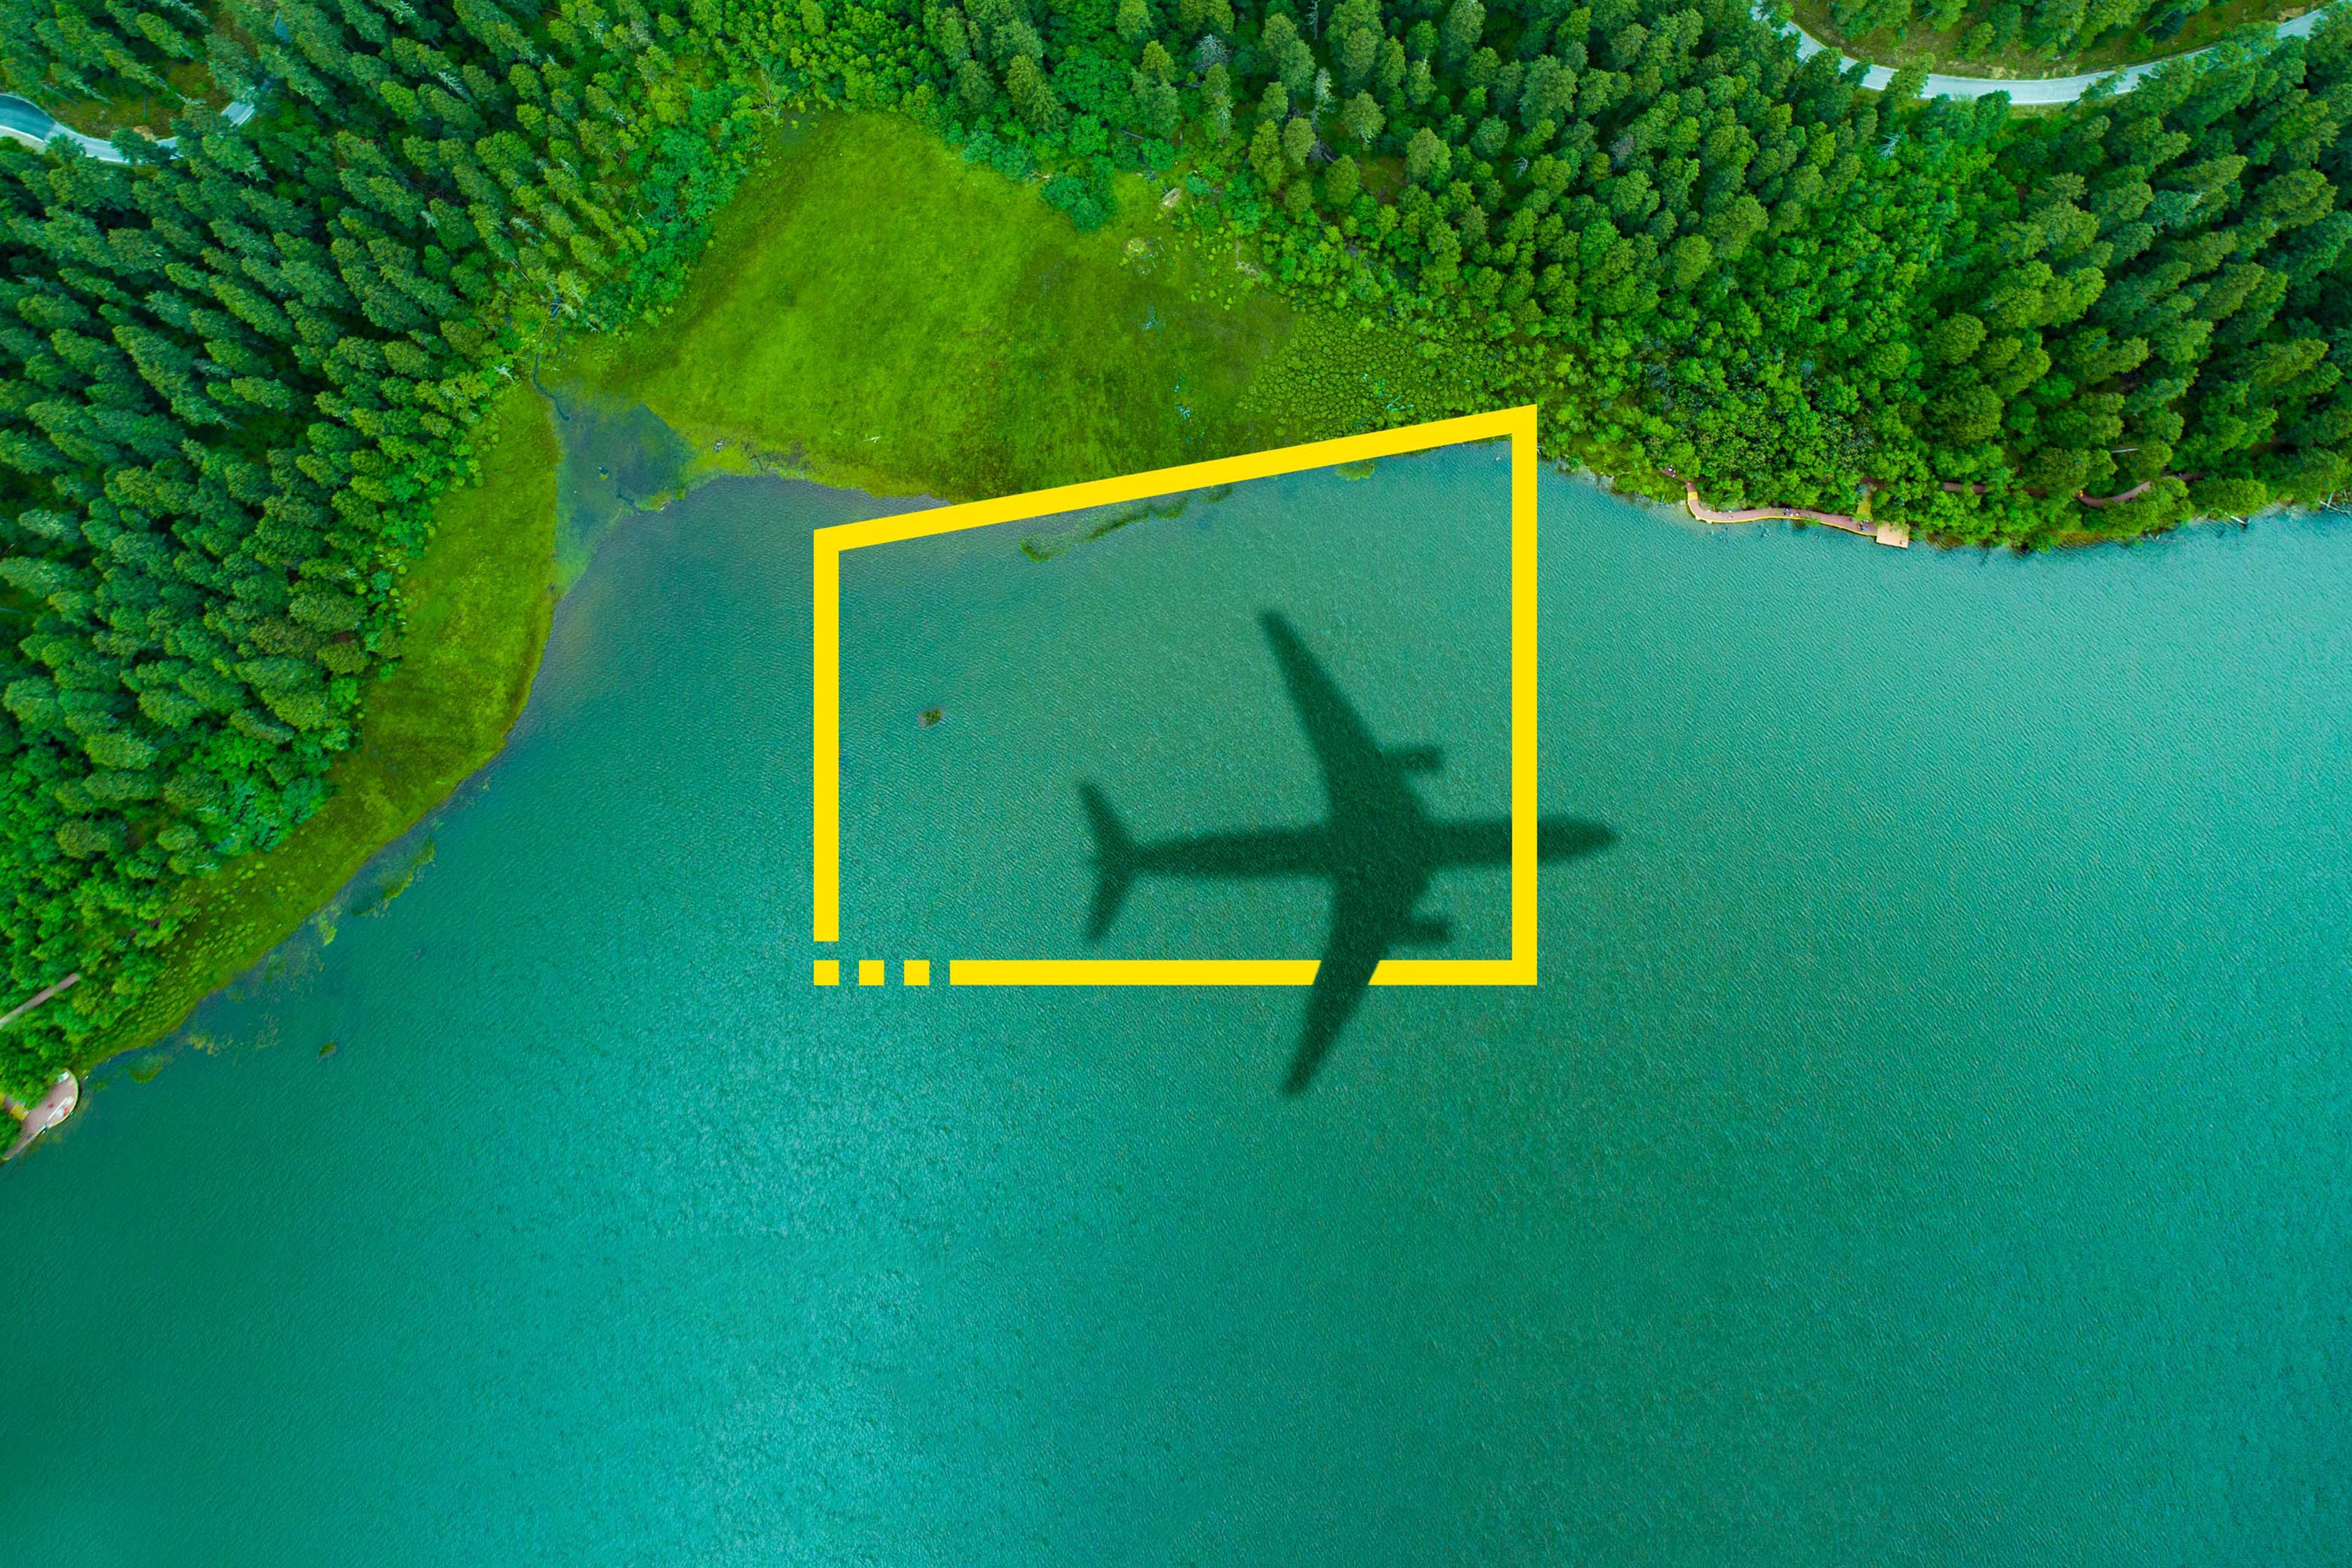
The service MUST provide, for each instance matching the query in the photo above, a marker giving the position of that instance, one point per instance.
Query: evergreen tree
(1342, 182)
(1266, 156)
(1426, 161)
(1032, 95)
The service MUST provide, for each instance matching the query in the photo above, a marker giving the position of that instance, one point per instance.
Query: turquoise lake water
(1930, 1143)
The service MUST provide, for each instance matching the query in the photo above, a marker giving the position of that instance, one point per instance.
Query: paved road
(27, 122)
(2033, 90)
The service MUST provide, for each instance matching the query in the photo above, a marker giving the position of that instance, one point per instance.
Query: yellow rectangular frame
(1519, 969)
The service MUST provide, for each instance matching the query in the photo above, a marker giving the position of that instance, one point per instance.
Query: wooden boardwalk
(1892, 533)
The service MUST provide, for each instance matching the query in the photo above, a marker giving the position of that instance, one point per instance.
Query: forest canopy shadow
(1377, 846)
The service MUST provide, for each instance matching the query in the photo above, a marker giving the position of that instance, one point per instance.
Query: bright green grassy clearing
(879, 313)
(479, 597)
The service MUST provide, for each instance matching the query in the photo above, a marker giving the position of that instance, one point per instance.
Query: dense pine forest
(234, 377)
(237, 370)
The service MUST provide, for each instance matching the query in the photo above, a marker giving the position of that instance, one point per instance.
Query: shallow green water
(1931, 1140)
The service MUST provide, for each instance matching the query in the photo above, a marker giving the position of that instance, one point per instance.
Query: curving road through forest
(2047, 90)
(24, 120)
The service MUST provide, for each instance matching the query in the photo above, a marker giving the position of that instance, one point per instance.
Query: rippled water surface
(1931, 1140)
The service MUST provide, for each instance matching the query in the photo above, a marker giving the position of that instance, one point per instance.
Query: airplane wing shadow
(1365, 929)
(1378, 849)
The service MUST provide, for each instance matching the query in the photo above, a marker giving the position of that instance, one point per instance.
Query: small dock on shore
(42, 1114)
(64, 1094)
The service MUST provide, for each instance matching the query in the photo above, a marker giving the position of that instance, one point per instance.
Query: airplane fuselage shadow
(1378, 847)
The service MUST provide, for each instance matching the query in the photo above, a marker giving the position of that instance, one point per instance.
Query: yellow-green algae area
(477, 599)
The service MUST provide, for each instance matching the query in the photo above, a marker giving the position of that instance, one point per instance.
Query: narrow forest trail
(2038, 90)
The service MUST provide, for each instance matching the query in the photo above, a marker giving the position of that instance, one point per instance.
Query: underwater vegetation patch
(618, 456)
(373, 892)
(1086, 526)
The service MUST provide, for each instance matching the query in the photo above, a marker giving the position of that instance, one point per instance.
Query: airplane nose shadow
(1378, 847)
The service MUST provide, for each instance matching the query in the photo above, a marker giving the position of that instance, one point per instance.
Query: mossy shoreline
(480, 595)
(478, 599)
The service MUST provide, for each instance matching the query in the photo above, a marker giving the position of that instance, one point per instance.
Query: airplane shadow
(1378, 847)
